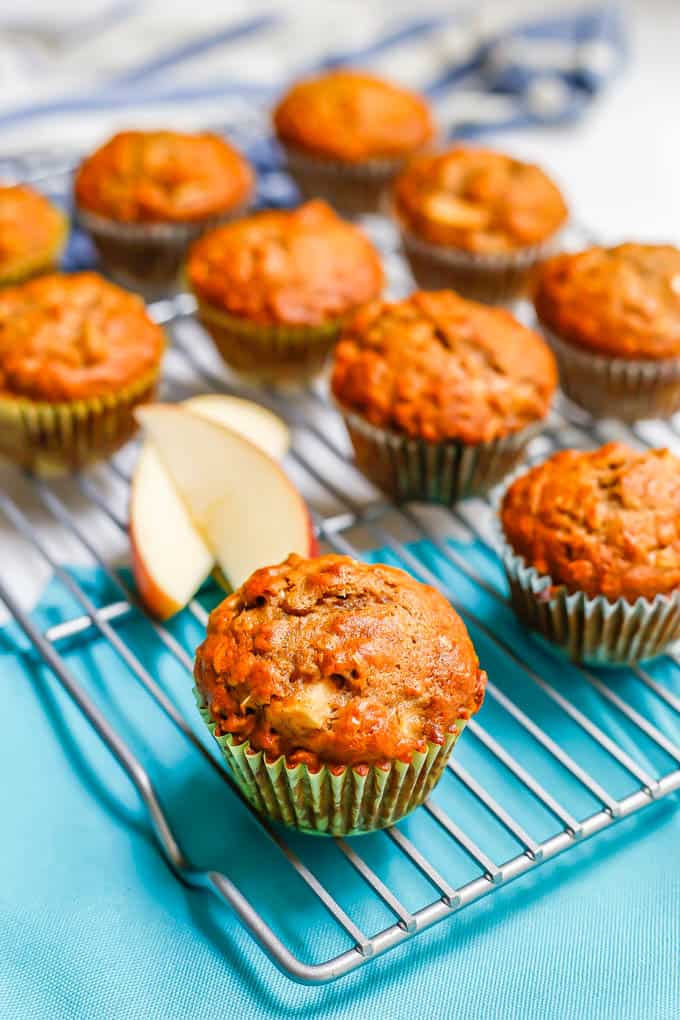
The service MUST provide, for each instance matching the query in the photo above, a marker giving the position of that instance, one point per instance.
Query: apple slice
(243, 506)
(258, 424)
(170, 560)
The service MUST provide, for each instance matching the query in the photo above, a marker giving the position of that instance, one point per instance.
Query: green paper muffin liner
(147, 257)
(353, 189)
(589, 630)
(54, 438)
(624, 388)
(269, 352)
(444, 472)
(327, 802)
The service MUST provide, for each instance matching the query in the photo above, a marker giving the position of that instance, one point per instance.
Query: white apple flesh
(238, 499)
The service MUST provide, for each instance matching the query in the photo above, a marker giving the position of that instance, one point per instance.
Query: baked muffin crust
(31, 229)
(352, 116)
(163, 176)
(66, 337)
(303, 267)
(436, 366)
(622, 301)
(605, 522)
(478, 200)
(330, 660)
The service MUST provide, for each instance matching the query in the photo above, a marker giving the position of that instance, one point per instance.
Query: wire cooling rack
(557, 754)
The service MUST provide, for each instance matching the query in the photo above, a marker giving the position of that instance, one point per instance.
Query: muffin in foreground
(145, 195)
(440, 395)
(336, 690)
(346, 134)
(612, 316)
(592, 552)
(476, 220)
(33, 233)
(274, 289)
(77, 354)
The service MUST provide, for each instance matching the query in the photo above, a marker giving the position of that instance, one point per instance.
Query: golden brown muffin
(333, 661)
(478, 201)
(32, 233)
(622, 301)
(605, 522)
(352, 116)
(438, 367)
(306, 267)
(163, 177)
(77, 354)
(68, 337)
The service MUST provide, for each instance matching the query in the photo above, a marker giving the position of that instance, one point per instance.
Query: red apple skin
(160, 605)
(314, 547)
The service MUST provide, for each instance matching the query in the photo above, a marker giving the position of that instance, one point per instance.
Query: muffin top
(163, 176)
(332, 660)
(303, 267)
(622, 301)
(436, 366)
(66, 337)
(606, 522)
(30, 228)
(352, 116)
(478, 200)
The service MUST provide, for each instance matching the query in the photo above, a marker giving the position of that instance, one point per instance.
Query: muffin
(145, 195)
(476, 220)
(592, 552)
(274, 289)
(33, 233)
(440, 395)
(77, 354)
(346, 133)
(336, 690)
(612, 316)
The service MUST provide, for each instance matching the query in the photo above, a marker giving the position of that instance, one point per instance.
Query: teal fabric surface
(92, 923)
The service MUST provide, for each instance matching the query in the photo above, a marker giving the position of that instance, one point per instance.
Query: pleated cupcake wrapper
(38, 263)
(623, 388)
(147, 257)
(352, 188)
(269, 352)
(591, 630)
(327, 802)
(444, 472)
(56, 438)
(481, 277)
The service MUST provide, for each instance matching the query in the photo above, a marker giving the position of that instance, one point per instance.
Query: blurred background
(588, 90)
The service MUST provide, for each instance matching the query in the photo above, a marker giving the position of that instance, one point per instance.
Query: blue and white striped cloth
(69, 79)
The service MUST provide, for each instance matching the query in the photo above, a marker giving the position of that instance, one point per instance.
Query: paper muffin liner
(353, 189)
(441, 472)
(333, 801)
(480, 277)
(624, 388)
(45, 261)
(588, 629)
(55, 438)
(147, 257)
(269, 353)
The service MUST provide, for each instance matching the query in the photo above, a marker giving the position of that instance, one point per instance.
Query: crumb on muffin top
(65, 337)
(299, 267)
(31, 229)
(478, 200)
(353, 116)
(605, 522)
(163, 176)
(330, 660)
(436, 366)
(622, 301)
